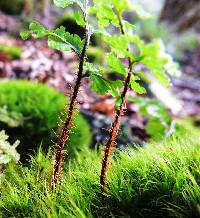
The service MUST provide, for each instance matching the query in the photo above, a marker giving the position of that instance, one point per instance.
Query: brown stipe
(116, 123)
(65, 132)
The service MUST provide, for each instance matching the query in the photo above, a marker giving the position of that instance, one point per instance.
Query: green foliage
(118, 44)
(159, 119)
(155, 181)
(71, 24)
(13, 52)
(66, 3)
(175, 43)
(136, 86)
(60, 39)
(57, 39)
(160, 182)
(152, 55)
(36, 29)
(110, 12)
(115, 64)
(36, 109)
(104, 13)
(8, 152)
(125, 47)
(158, 61)
(79, 19)
(101, 85)
(64, 41)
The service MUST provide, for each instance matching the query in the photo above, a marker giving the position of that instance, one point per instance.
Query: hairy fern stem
(65, 132)
(110, 145)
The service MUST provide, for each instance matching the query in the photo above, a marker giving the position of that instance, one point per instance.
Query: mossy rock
(39, 106)
(12, 7)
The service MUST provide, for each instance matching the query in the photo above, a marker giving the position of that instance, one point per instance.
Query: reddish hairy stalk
(113, 133)
(68, 122)
(116, 124)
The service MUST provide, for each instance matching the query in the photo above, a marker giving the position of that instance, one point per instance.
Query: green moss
(40, 107)
(160, 180)
(13, 52)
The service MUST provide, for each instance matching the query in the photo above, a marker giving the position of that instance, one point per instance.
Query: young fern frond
(68, 121)
(116, 123)
(152, 55)
(61, 40)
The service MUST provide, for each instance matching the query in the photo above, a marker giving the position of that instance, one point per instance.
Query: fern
(64, 41)
(152, 55)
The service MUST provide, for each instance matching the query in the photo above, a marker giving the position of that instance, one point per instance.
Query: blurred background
(176, 22)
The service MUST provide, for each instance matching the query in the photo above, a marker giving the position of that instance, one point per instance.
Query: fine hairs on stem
(116, 123)
(65, 132)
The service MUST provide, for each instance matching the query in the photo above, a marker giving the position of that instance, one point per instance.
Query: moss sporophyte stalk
(97, 18)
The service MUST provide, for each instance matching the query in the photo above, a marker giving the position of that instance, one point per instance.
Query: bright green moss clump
(160, 180)
(38, 107)
(14, 52)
